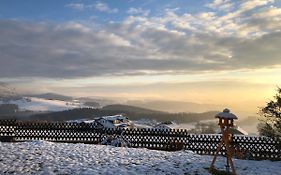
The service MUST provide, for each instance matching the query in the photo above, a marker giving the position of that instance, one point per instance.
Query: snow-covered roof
(142, 125)
(226, 114)
(170, 125)
(123, 124)
(236, 130)
(89, 121)
(242, 131)
(113, 117)
(80, 121)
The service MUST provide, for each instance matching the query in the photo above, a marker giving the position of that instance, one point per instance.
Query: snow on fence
(254, 147)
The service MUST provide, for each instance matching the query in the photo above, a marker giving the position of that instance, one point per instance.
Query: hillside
(41, 104)
(52, 96)
(173, 106)
(128, 108)
(56, 107)
(133, 113)
(8, 93)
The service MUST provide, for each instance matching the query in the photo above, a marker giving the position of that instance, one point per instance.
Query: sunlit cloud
(224, 5)
(76, 6)
(137, 45)
(220, 48)
(105, 8)
(138, 11)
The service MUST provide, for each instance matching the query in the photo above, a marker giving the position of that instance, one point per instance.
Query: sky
(205, 51)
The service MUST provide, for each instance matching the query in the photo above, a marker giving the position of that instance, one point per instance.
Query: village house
(115, 121)
(166, 126)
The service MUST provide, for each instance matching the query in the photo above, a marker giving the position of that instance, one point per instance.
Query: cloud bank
(245, 36)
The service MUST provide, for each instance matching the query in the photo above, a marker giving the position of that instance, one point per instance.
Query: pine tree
(271, 117)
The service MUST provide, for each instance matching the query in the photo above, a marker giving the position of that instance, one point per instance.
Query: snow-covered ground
(41, 104)
(41, 157)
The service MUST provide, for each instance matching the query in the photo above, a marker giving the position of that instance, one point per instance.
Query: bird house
(226, 118)
(226, 121)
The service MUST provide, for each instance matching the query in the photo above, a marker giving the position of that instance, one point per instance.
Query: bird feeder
(226, 121)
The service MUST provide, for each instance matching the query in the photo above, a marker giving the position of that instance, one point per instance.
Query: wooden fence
(252, 146)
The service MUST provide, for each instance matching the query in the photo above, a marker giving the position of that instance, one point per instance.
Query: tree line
(90, 113)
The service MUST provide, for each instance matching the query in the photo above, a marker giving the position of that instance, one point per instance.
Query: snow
(242, 130)
(113, 117)
(226, 114)
(41, 157)
(41, 104)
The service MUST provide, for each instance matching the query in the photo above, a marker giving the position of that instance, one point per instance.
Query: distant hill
(173, 106)
(249, 124)
(52, 96)
(11, 111)
(128, 108)
(92, 104)
(8, 93)
(7, 110)
(99, 101)
(133, 113)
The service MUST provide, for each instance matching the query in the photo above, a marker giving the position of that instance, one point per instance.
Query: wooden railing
(254, 147)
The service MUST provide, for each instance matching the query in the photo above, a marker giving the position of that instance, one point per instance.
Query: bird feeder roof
(226, 114)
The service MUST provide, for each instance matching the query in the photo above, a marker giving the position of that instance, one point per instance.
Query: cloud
(252, 4)
(267, 19)
(272, 12)
(223, 5)
(102, 7)
(142, 45)
(137, 11)
(242, 18)
(105, 8)
(260, 52)
(76, 6)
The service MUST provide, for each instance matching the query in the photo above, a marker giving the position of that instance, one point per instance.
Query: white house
(115, 121)
(105, 123)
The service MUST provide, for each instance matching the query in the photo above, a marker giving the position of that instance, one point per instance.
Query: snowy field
(41, 157)
(41, 104)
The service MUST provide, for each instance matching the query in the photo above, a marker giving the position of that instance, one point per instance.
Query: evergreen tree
(271, 117)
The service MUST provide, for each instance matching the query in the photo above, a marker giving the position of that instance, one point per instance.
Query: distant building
(236, 130)
(166, 126)
(116, 121)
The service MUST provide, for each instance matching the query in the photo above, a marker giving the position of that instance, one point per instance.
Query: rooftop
(226, 114)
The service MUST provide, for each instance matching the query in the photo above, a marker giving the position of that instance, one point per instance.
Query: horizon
(219, 52)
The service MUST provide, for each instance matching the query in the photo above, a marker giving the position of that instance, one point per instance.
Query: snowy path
(40, 157)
